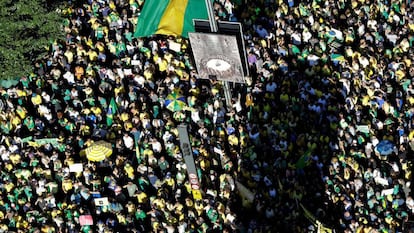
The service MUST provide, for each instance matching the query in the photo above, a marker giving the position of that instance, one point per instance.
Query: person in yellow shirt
(162, 65)
(148, 74)
(36, 99)
(199, 207)
(170, 182)
(129, 171)
(69, 55)
(9, 186)
(111, 46)
(131, 208)
(79, 72)
(21, 111)
(121, 219)
(80, 51)
(93, 55)
(141, 197)
(159, 203)
(100, 46)
(96, 110)
(187, 186)
(15, 158)
(15, 120)
(112, 5)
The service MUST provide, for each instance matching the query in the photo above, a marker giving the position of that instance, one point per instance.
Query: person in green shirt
(128, 35)
(29, 123)
(163, 164)
(120, 49)
(140, 215)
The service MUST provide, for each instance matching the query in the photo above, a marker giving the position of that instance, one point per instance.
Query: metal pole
(227, 94)
(211, 16)
(214, 28)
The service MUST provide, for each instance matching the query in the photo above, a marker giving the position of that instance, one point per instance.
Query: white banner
(174, 46)
(217, 56)
(76, 167)
(362, 128)
(103, 201)
(386, 192)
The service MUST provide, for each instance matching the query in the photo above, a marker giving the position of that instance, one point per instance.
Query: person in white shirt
(195, 115)
(229, 7)
(182, 227)
(69, 77)
(156, 145)
(128, 141)
(410, 203)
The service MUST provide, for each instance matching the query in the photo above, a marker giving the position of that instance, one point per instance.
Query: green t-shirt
(128, 36)
(140, 214)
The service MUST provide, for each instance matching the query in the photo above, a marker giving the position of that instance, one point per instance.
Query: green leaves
(26, 27)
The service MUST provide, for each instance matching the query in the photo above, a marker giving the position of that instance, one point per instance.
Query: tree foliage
(26, 29)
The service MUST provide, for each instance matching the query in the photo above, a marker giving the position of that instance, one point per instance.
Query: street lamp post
(214, 29)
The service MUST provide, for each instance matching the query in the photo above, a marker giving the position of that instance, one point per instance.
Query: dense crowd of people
(329, 86)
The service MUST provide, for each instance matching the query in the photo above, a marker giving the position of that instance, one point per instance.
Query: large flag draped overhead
(169, 17)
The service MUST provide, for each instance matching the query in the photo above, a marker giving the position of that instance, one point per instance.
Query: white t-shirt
(156, 146)
(69, 77)
(229, 7)
(195, 116)
(128, 141)
(238, 106)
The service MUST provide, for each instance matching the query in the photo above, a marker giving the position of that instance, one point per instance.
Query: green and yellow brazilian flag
(169, 17)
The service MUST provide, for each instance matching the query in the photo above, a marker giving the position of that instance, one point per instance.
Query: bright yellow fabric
(173, 18)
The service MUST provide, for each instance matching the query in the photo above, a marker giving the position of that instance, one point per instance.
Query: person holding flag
(112, 110)
(137, 137)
